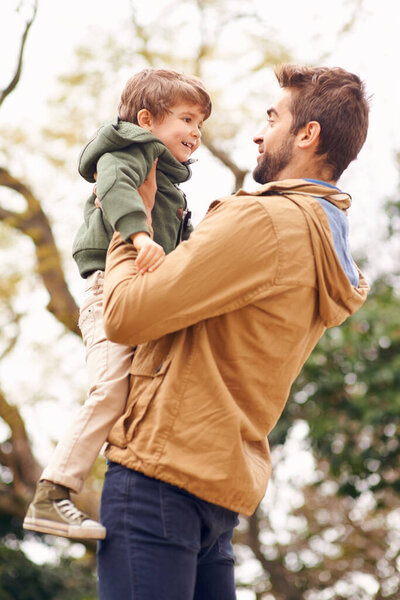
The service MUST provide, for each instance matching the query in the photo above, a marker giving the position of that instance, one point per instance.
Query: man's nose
(259, 137)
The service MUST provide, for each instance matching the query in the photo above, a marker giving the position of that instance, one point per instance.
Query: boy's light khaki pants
(108, 367)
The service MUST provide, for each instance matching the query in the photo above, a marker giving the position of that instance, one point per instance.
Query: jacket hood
(119, 135)
(338, 298)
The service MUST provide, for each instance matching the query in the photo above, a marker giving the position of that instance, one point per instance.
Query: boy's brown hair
(337, 100)
(158, 90)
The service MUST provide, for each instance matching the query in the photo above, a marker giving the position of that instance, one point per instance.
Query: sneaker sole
(69, 531)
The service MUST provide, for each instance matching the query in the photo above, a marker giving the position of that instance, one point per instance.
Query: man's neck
(307, 174)
(308, 168)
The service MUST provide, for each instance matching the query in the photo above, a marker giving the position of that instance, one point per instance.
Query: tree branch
(14, 81)
(12, 340)
(224, 157)
(34, 223)
(16, 454)
(278, 574)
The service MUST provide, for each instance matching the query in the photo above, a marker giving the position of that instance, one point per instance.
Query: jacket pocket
(145, 380)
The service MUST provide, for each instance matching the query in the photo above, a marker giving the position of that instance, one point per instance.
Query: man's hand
(150, 254)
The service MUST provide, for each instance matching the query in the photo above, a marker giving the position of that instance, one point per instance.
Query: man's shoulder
(269, 208)
(243, 210)
(265, 197)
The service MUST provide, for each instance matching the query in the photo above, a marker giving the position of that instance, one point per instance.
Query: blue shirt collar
(323, 183)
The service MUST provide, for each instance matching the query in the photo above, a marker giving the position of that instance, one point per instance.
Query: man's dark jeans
(162, 542)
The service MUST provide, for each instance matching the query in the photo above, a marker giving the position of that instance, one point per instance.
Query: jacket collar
(304, 188)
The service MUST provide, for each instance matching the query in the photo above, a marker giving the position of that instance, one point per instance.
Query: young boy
(160, 117)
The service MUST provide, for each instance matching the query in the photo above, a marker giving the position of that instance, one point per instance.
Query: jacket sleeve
(119, 174)
(229, 261)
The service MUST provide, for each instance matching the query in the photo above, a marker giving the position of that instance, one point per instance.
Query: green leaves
(349, 394)
(20, 578)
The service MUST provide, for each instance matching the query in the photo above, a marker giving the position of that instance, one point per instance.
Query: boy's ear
(145, 119)
(308, 135)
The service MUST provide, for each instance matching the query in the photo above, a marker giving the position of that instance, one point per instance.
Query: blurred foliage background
(329, 527)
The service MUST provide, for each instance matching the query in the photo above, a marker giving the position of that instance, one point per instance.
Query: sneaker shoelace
(69, 510)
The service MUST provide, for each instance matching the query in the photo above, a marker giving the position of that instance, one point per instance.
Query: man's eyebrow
(272, 111)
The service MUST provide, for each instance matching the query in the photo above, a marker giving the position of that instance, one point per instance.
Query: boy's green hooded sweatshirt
(122, 154)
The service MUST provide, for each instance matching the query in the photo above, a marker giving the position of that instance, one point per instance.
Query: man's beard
(272, 163)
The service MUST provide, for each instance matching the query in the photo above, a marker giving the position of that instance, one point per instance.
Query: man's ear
(308, 136)
(145, 119)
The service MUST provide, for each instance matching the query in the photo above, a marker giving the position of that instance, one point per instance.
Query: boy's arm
(119, 175)
(217, 270)
(150, 254)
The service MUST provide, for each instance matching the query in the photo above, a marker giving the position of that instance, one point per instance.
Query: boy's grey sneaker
(51, 511)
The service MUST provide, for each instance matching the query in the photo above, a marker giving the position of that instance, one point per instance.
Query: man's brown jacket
(223, 328)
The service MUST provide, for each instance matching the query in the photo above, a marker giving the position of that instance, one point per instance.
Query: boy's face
(180, 129)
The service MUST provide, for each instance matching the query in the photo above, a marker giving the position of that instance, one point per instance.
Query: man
(222, 329)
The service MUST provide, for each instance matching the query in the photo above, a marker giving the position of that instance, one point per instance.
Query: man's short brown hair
(337, 100)
(159, 89)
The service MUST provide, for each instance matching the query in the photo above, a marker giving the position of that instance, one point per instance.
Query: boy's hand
(150, 254)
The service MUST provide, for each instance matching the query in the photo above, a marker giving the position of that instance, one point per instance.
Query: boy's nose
(196, 132)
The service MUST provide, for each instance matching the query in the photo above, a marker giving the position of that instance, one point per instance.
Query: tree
(354, 445)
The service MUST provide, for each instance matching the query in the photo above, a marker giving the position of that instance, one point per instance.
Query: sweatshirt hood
(119, 135)
(338, 298)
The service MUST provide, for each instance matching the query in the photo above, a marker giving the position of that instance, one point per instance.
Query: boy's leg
(51, 511)
(108, 366)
